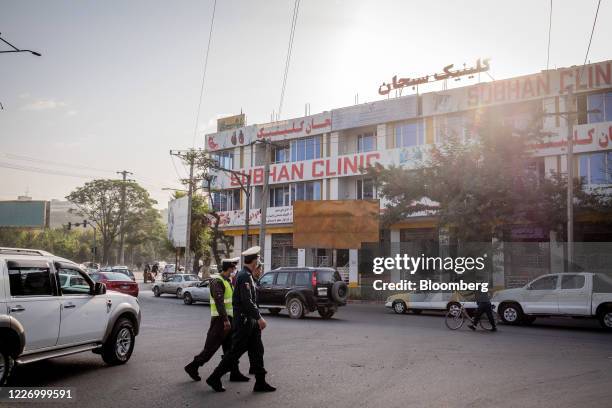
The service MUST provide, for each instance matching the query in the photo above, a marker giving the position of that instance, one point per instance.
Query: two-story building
(319, 157)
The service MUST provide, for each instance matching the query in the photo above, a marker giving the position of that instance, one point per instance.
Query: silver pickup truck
(580, 294)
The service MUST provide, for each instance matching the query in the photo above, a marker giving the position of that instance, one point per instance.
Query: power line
(296, 9)
(549, 29)
(212, 21)
(54, 163)
(40, 170)
(592, 31)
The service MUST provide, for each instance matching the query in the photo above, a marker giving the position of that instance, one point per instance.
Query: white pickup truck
(580, 294)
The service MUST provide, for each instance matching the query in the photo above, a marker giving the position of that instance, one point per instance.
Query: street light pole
(15, 49)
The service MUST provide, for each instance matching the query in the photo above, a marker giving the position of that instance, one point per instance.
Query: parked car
(117, 281)
(581, 294)
(197, 293)
(121, 269)
(175, 284)
(417, 301)
(40, 319)
(73, 281)
(302, 290)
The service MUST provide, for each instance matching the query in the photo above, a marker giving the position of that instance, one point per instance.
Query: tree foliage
(477, 187)
(100, 202)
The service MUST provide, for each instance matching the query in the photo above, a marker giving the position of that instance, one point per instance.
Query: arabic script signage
(294, 128)
(288, 129)
(448, 72)
(587, 138)
(274, 215)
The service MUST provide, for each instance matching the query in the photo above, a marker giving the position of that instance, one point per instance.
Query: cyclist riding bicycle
(484, 306)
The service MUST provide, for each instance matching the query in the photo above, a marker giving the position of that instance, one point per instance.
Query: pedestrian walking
(248, 327)
(484, 306)
(221, 316)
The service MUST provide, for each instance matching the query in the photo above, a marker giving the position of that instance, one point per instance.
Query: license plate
(322, 291)
(125, 287)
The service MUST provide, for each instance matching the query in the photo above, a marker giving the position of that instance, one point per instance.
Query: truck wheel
(156, 291)
(274, 311)
(399, 307)
(120, 344)
(339, 292)
(295, 307)
(187, 299)
(511, 313)
(326, 312)
(6, 363)
(605, 319)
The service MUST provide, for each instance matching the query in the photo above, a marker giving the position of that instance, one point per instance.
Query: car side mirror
(99, 288)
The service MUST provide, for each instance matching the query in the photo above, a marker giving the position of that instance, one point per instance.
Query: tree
(479, 186)
(100, 202)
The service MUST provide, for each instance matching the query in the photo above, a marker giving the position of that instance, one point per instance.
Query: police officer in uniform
(248, 326)
(221, 314)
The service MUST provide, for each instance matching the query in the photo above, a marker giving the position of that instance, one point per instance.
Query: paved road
(365, 356)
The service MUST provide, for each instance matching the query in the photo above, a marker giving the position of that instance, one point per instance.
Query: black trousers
(484, 307)
(245, 338)
(215, 338)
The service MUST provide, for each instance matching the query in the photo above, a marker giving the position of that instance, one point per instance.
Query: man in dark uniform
(219, 333)
(248, 326)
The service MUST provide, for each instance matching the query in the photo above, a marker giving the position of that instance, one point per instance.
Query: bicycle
(455, 318)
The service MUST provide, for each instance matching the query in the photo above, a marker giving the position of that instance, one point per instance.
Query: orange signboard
(339, 224)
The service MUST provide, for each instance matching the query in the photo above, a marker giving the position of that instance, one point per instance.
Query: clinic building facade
(319, 157)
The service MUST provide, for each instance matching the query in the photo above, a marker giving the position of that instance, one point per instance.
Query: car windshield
(114, 276)
(191, 278)
(121, 270)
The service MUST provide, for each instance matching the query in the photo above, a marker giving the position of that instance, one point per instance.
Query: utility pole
(569, 101)
(124, 174)
(247, 212)
(265, 198)
(570, 116)
(191, 158)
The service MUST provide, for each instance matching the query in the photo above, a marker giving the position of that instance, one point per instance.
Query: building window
(409, 134)
(596, 168)
(225, 159)
(450, 126)
(603, 103)
(279, 196)
(280, 154)
(306, 149)
(310, 190)
(366, 142)
(227, 200)
(366, 190)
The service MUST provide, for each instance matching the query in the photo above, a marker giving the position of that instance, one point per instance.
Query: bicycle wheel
(485, 324)
(454, 320)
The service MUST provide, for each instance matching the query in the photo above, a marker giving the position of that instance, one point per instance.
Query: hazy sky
(119, 81)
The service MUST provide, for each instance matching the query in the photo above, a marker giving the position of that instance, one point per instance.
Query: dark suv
(302, 290)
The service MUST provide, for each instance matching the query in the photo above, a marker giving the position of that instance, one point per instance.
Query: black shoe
(471, 326)
(237, 376)
(192, 370)
(215, 384)
(261, 385)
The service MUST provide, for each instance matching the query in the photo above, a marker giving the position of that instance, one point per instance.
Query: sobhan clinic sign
(537, 86)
